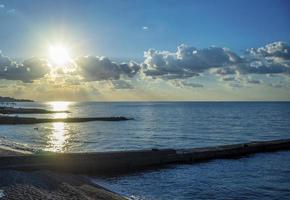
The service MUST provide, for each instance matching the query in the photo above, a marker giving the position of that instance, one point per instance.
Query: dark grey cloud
(100, 68)
(253, 67)
(224, 71)
(263, 68)
(27, 71)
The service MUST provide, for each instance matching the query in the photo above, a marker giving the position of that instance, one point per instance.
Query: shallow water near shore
(171, 125)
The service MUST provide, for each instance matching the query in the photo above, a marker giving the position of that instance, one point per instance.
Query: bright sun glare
(59, 55)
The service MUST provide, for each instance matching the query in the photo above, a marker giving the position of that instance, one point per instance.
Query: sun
(59, 55)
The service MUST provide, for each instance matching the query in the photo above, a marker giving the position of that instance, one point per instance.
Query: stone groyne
(128, 161)
(7, 120)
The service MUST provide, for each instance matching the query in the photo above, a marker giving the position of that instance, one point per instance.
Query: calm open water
(173, 125)
(262, 176)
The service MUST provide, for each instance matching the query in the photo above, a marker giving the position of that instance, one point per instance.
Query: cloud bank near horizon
(177, 68)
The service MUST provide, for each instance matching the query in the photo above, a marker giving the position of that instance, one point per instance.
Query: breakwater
(12, 110)
(127, 161)
(32, 120)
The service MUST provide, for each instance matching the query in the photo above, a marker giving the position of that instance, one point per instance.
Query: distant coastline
(10, 99)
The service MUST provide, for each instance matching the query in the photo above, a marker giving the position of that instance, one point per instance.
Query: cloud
(271, 51)
(11, 11)
(27, 71)
(229, 78)
(193, 85)
(263, 68)
(36, 68)
(145, 28)
(224, 71)
(183, 83)
(253, 81)
(186, 61)
(121, 84)
(177, 67)
(278, 85)
(101, 68)
(273, 58)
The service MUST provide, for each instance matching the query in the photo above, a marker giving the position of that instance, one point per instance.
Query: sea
(170, 125)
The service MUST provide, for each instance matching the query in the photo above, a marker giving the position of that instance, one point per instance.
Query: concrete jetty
(128, 161)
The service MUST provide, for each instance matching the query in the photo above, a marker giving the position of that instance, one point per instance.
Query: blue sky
(172, 49)
(114, 28)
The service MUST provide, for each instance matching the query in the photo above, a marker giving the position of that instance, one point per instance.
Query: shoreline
(9, 151)
(45, 184)
(64, 174)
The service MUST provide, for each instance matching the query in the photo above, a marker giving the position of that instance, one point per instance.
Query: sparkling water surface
(156, 125)
(172, 125)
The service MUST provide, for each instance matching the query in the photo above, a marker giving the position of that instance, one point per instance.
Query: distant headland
(10, 99)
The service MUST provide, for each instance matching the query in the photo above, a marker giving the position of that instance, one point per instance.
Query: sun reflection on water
(59, 130)
(59, 105)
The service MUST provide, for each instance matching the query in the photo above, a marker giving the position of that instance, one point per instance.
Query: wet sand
(18, 185)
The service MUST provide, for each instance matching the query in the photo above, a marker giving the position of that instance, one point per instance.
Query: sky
(137, 50)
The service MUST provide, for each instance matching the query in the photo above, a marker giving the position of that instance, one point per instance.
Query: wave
(15, 145)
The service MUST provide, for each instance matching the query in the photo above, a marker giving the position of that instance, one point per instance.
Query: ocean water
(156, 125)
(172, 125)
(261, 176)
